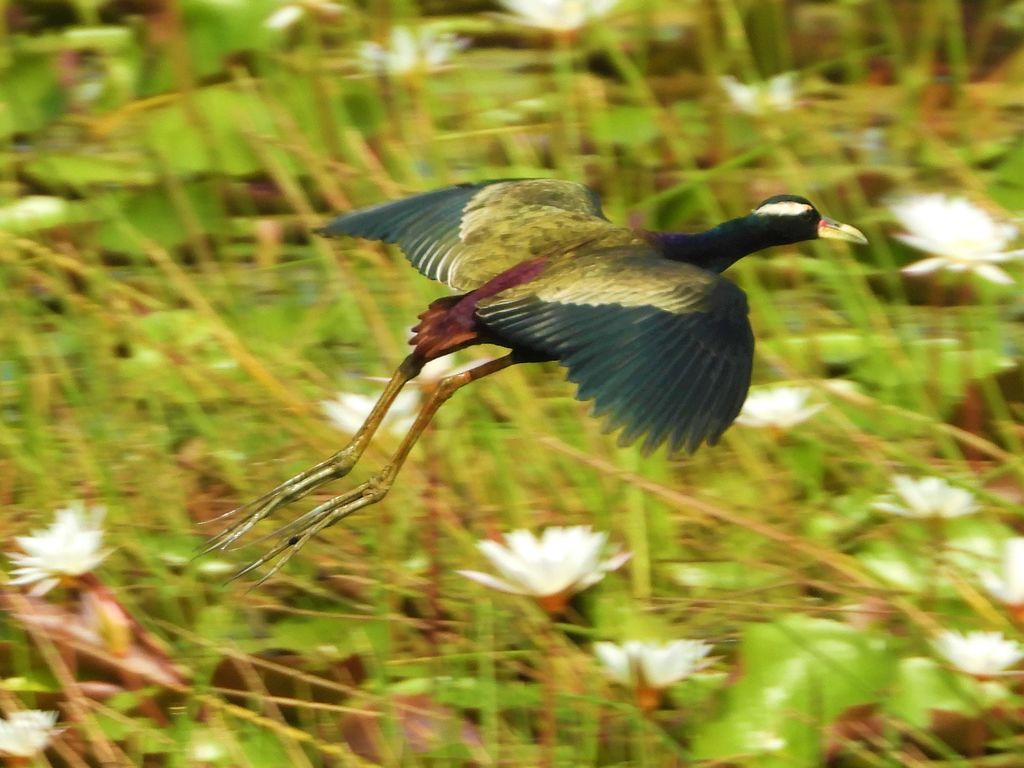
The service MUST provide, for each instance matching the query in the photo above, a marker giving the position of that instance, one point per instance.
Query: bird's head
(791, 219)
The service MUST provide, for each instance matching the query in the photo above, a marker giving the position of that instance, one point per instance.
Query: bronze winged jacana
(643, 321)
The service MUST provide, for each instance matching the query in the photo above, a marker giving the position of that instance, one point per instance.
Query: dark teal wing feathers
(676, 377)
(424, 226)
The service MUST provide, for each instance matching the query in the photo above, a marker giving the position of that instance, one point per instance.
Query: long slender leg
(296, 533)
(338, 465)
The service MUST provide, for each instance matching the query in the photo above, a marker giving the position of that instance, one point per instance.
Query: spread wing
(663, 348)
(467, 234)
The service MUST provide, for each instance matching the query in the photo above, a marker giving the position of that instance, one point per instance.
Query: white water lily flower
(68, 548)
(982, 654)
(929, 497)
(551, 568)
(27, 733)
(637, 663)
(962, 236)
(777, 407)
(33, 212)
(285, 16)
(650, 667)
(206, 749)
(407, 52)
(765, 741)
(1008, 586)
(776, 94)
(347, 411)
(289, 13)
(558, 15)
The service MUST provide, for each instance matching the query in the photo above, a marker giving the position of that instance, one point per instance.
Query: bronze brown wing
(466, 234)
(664, 349)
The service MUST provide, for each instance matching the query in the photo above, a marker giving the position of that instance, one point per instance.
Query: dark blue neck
(716, 249)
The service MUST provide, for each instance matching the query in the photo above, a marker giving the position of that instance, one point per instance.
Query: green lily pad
(830, 348)
(944, 366)
(951, 363)
(215, 32)
(1008, 184)
(799, 675)
(731, 575)
(923, 686)
(108, 39)
(309, 634)
(626, 126)
(364, 108)
(78, 170)
(910, 560)
(470, 692)
(212, 133)
(149, 213)
(31, 96)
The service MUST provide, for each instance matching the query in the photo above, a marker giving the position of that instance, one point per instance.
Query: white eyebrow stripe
(784, 208)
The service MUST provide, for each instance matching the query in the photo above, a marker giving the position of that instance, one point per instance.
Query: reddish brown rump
(450, 323)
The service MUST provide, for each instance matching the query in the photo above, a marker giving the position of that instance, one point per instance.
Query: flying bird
(643, 321)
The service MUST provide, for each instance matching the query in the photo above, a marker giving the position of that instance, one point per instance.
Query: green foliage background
(169, 328)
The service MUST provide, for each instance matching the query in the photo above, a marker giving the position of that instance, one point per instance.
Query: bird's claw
(290, 490)
(291, 537)
(294, 535)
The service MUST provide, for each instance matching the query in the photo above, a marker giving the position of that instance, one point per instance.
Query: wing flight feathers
(663, 349)
(466, 234)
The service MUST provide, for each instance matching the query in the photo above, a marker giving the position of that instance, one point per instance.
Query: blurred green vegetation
(170, 327)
